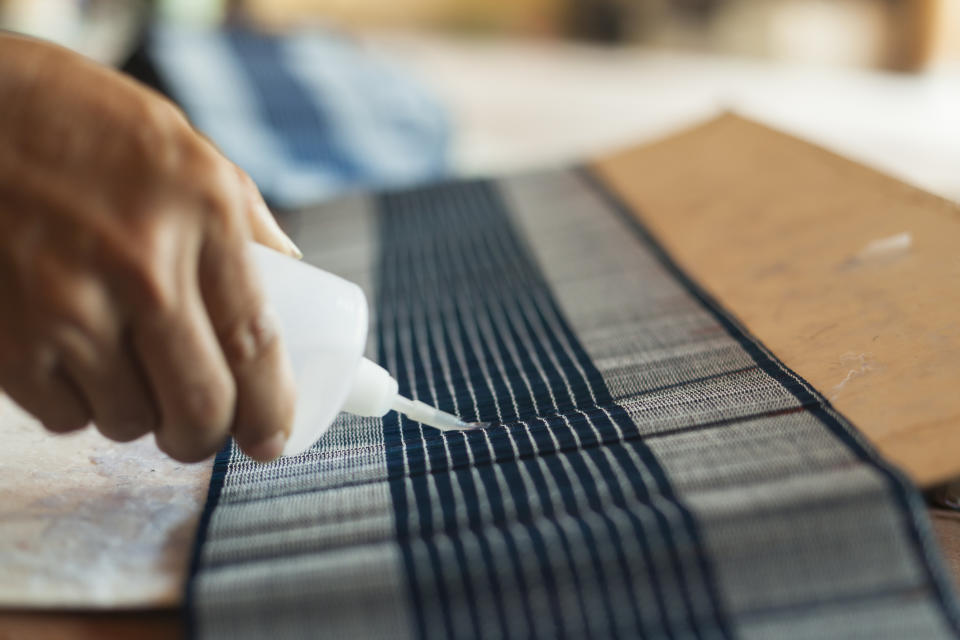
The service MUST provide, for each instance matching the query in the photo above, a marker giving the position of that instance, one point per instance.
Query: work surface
(86, 522)
(123, 482)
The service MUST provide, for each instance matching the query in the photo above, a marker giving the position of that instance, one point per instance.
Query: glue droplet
(470, 426)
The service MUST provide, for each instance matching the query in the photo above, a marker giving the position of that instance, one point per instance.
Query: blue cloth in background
(308, 115)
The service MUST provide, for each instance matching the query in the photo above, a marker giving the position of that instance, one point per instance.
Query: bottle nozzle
(374, 393)
(431, 416)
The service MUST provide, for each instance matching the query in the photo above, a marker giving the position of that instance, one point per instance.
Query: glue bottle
(323, 322)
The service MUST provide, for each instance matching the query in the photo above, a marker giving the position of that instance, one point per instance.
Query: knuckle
(248, 337)
(169, 117)
(197, 158)
(158, 140)
(217, 189)
(203, 416)
(221, 212)
(155, 110)
(188, 167)
(155, 293)
(82, 330)
(208, 406)
(74, 335)
(246, 182)
(150, 277)
(70, 297)
(78, 345)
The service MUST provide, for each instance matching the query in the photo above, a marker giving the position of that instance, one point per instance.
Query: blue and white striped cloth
(650, 470)
(308, 115)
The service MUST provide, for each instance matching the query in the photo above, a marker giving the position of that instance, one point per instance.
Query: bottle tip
(446, 421)
(431, 416)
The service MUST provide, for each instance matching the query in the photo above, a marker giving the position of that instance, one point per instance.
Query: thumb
(263, 226)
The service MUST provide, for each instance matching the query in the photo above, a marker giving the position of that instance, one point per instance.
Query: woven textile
(307, 115)
(649, 469)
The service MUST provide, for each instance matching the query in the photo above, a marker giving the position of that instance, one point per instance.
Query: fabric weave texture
(649, 470)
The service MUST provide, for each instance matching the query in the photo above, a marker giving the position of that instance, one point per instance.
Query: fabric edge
(917, 522)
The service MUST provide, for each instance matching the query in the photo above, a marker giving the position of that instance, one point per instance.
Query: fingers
(252, 347)
(115, 390)
(86, 329)
(190, 380)
(30, 371)
(48, 396)
(135, 346)
(263, 226)
(215, 363)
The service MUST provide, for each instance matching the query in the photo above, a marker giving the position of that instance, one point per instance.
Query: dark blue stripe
(519, 279)
(486, 475)
(527, 448)
(217, 477)
(393, 290)
(438, 461)
(440, 465)
(480, 268)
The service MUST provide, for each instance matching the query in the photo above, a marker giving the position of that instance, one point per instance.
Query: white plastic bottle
(323, 320)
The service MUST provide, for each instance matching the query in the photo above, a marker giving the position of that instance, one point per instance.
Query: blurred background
(489, 86)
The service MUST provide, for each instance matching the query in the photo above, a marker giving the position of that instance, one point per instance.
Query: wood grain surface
(850, 277)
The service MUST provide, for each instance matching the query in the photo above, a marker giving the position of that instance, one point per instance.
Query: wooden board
(850, 277)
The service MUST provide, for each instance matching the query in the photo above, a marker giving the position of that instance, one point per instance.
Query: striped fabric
(650, 470)
(308, 115)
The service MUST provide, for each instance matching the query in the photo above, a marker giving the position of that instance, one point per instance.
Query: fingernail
(269, 448)
(268, 218)
(295, 250)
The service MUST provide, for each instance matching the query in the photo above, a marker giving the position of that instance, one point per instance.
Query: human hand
(127, 296)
